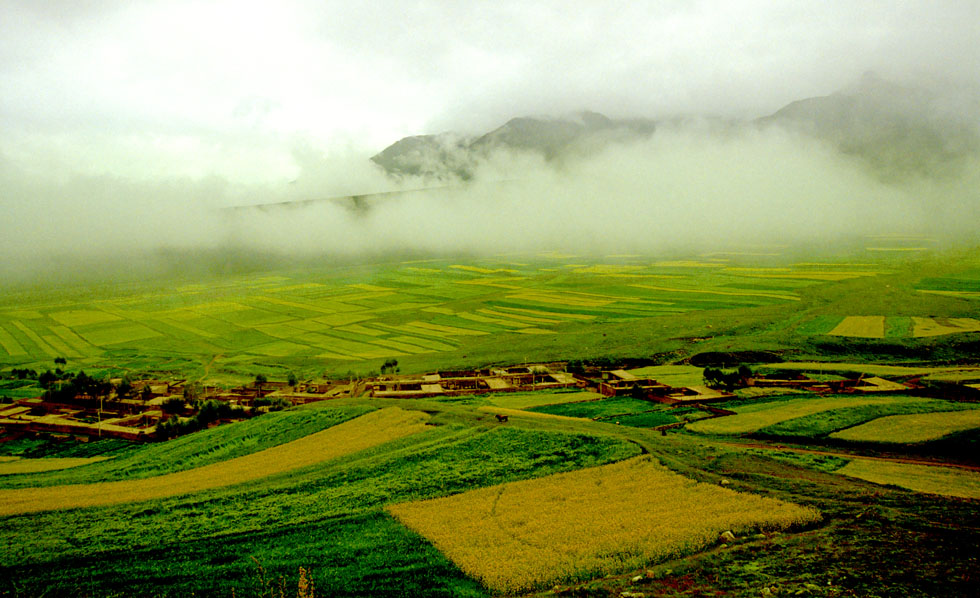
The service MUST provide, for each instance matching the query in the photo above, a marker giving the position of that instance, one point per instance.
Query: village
(152, 409)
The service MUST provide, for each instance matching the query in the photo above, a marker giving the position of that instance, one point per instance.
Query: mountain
(448, 156)
(431, 156)
(899, 131)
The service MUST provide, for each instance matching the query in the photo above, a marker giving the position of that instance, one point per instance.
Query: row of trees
(728, 380)
(207, 412)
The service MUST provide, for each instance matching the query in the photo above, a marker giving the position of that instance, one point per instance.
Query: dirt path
(349, 437)
(207, 367)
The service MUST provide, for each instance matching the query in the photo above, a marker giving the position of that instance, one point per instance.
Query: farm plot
(947, 481)
(823, 423)
(752, 418)
(601, 409)
(861, 327)
(524, 535)
(349, 437)
(940, 326)
(908, 429)
(522, 400)
(114, 334)
(18, 466)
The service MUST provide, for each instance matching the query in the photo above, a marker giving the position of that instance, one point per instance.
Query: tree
(291, 380)
(124, 389)
(60, 360)
(47, 379)
(260, 379)
(390, 366)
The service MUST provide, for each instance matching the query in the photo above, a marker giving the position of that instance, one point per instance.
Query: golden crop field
(349, 437)
(947, 481)
(861, 326)
(940, 326)
(524, 535)
(17, 465)
(908, 429)
(752, 418)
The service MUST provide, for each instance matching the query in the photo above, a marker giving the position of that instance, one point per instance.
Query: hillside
(449, 156)
(899, 131)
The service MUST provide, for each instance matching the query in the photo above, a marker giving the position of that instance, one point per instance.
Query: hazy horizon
(126, 130)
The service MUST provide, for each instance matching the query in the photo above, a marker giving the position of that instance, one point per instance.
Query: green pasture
(624, 411)
(445, 313)
(824, 423)
(328, 518)
(755, 416)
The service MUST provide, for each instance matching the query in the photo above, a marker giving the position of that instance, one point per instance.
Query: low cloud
(689, 187)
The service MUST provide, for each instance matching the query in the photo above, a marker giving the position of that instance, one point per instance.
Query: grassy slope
(315, 517)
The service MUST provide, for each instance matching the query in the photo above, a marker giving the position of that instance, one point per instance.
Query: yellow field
(80, 317)
(479, 270)
(349, 437)
(940, 326)
(861, 326)
(918, 427)
(948, 481)
(524, 535)
(546, 314)
(521, 317)
(17, 465)
(718, 292)
(752, 418)
(814, 275)
(560, 298)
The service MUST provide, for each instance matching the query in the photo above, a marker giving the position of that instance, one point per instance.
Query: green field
(331, 518)
(670, 315)
(443, 313)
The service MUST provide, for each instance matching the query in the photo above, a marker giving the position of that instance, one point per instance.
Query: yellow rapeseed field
(861, 326)
(948, 481)
(349, 437)
(524, 535)
(918, 427)
(940, 326)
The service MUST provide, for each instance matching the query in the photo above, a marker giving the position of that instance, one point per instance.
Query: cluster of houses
(135, 416)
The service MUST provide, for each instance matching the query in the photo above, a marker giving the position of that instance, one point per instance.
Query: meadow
(332, 487)
(444, 313)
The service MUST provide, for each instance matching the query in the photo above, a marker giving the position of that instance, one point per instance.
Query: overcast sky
(246, 91)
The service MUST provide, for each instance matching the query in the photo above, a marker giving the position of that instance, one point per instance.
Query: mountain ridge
(897, 131)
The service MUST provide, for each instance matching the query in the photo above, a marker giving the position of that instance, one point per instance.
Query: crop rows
(371, 312)
(525, 535)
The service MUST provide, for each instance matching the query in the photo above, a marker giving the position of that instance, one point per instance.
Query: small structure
(620, 383)
(455, 383)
